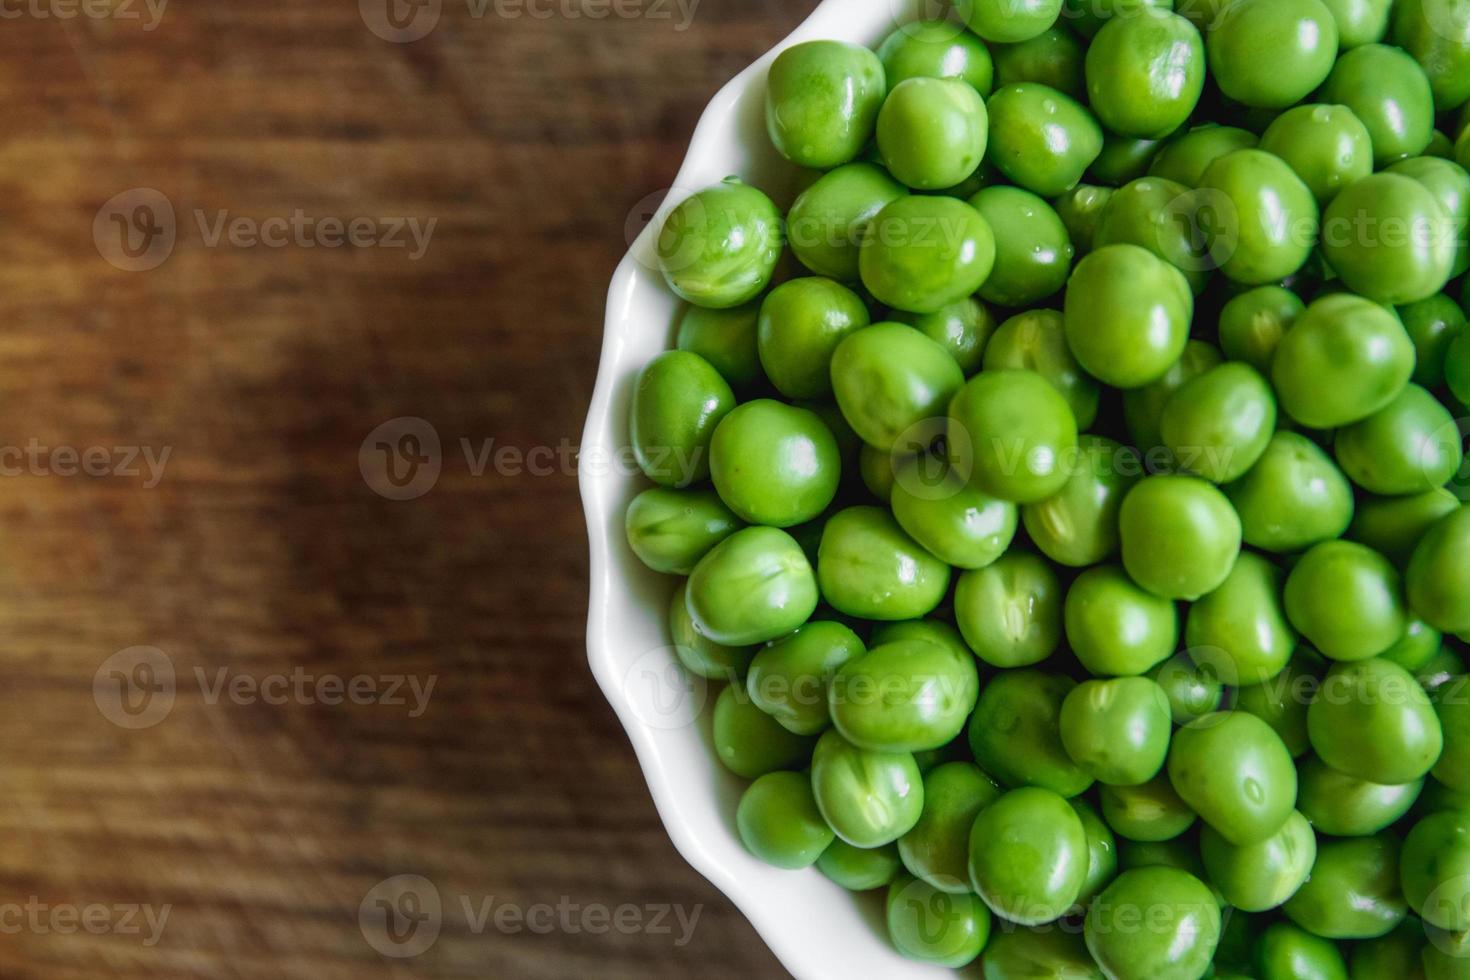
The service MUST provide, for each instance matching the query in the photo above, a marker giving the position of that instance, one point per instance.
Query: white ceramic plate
(814, 927)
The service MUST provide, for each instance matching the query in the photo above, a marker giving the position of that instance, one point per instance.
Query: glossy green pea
(1033, 254)
(1180, 536)
(699, 654)
(1235, 772)
(951, 519)
(1327, 146)
(1123, 159)
(778, 821)
(1127, 315)
(774, 463)
(1013, 433)
(1389, 93)
(1150, 812)
(1218, 425)
(1347, 600)
(935, 926)
(1042, 139)
(1347, 806)
(1272, 53)
(1154, 922)
(1453, 767)
(1080, 210)
(922, 253)
(868, 567)
(754, 586)
(1394, 526)
(1438, 577)
(719, 247)
(1259, 217)
(1396, 954)
(1045, 953)
(725, 338)
(1011, 21)
(1359, 22)
(932, 131)
(1260, 876)
(1145, 73)
(1014, 732)
(678, 400)
(1353, 892)
(907, 696)
(1253, 323)
(1102, 853)
(827, 222)
(937, 49)
(670, 530)
(1389, 239)
(1052, 58)
(1036, 341)
(1293, 497)
(937, 849)
(1192, 691)
(1147, 213)
(749, 742)
(1028, 856)
(868, 798)
(801, 323)
(1282, 702)
(859, 869)
(1287, 952)
(1078, 525)
(1437, 34)
(1010, 612)
(790, 678)
(1442, 672)
(1116, 628)
(1239, 632)
(822, 101)
(1448, 182)
(1143, 408)
(1409, 446)
(963, 328)
(1185, 158)
(1416, 647)
(1344, 359)
(1372, 720)
(1432, 325)
(888, 378)
(1117, 730)
(1435, 870)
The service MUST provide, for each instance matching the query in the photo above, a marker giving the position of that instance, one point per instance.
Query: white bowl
(814, 927)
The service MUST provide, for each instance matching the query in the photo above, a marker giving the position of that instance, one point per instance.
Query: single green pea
(1145, 73)
(937, 849)
(1448, 182)
(955, 522)
(1272, 53)
(1117, 730)
(1192, 690)
(1235, 772)
(1042, 139)
(1127, 315)
(1432, 325)
(1154, 922)
(1253, 323)
(1180, 536)
(1078, 525)
(1011, 21)
(1260, 876)
(822, 101)
(1347, 600)
(932, 131)
(789, 679)
(1394, 526)
(1045, 953)
(1389, 239)
(1453, 768)
(1411, 445)
(937, 49)
(1240, 631)
(1149, 812)
(1416, 647)
(749, 742)
(829, 219)
(907, 696)
(1287, 952)
(1347, 806)
(1372, 720)
(1036, 341)
(1013, 433)
(868, 567)
(1437, 34)
(1143, 408)
(1080, 210)
(1259, 217)
(678, 400)
(753, 586)
(1359, 22)
(1010, 612)
(778, 821)
(1147, 213)
(1327, 146)
(1396, 954)
(1028, 856)
(670, 530)
(1116, 628)
(1102, 853)
(1123, 159)
(801, 323)
(725, 338)
(1293, 497)
(935, 926)
(888, 378)
(1345, 358)
(1353, 892)
(1033, 254)
(1014, 732)
(1283, 701)
(868, 798)
(1435, 870)
(1438, 576)
(921, 253)
(1053, 58)
(1389, 93)
(699, 654)
(774, 463)
(1185, 158)
(963, 328)
(719, 247)
(1219, 424)
(859, 869)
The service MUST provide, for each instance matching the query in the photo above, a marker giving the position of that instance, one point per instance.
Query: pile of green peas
(1068, 485)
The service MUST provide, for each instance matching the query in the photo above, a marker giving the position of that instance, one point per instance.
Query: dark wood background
(263, 550)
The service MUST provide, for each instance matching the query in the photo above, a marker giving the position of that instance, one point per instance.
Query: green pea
(1448, 182)
(1127, 315)
(1117, 730)
(1180, 536)
(725, 338)
(1394, 526)
(829, 219)
(1289, 953)
(1014, 732)
(868, 567)
(1123, 159)
(774, 463)
(1347, 600)
(1253, 323)
(1154, 922)
(1185, 158)
(1087, 17)
(1011, 21)
(1116, 628)
(1145, 73)
(801, 323)
(1438, 578)
(1080, 210)
(1359, 22)
(699, 654)
(1293, 497)
(888, 378)
(922, 253)
(1389, 239)
(1394, 955)
(1263, 219)
(789, 679)
(1389, 93)
(963, 328)
(1240, 631)
(1416, 647)
(1235, 772)
(1029, 856)
(670, 530)
(1260, 876)
(1282, 702)
(1453, 768)
(778, 821)
(937, 849)
(1437, 34)
(1036, 341)
(904, 697)
(935, 926)
(1143, 408)
(749, 742)
(1325, 144)
(1219, 424)
(822, 101)
(1078, 525)
(1033, 254)
(719, 247)
(859, 869)
(1042, 139)
(1347, 806)
(753, 586)
(932, 131)
(1353, 892)
(937, 49)
(1344, 359)
(1147, 213)
(1432, 325)
(955, 522)
(1052, 58)
(678, 400)
(1372, 720)
(1272, 53)
(1010, 612)
(1435, 870)
(868, 798)
(1013, 433)
(1045, 953)
(1149, 812)
(1410, 446)
(1193, 691)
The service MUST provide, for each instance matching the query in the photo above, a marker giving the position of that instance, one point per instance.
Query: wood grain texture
(262, 550)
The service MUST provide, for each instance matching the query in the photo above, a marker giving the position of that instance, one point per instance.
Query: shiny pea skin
(963, 328)
(1347, 600)
(1438, 577)
(937, 849)
(790, 677)
(1014, 732)
(1028, 856)
(921, 253)
(1080, 210)
(1116, 628)
(1053, 58)
(1180, 536)
(1347, 806)
(1218, 424)
(1353, 891)
(1394, 526)
(1235, 772)
(1411, 445)
(1359, 22)
(1372, 720)
(678, 400)
(1432, 325)
(1327, 146)
(1042, 139)
(1435, 870)
(888, 377)
(1117, 730)
(951, 519)
(1260, 876)
(719, 247)
(1150, 812)
(1078, 525)
(1287, 952)
(822, 101)
(774, 463)
(749, 742)
(937, 49)
(1293, 497)
(868, 798)
(1033, 254)
(1146, 212)
(934, 926)
(1036, 341)
(907, 696)
(1185, 158)
(754, 586)
(1143, 408)
(1390, 94)
(699, 654)
(1416, 647)
(801, 323)
(725, 338)
(1253, 323)
(932, 132)
(1193, 691)
(1010, 612)
(859, 869)
(1127, 315)
(1264, 220)
(1145, 73)
(1154, 922)
(1240, 630)
(1437, 34)
(1011, 21)
(778, 821)
(868, 567)
(1389, 239)
(1013, 433)
(1345, 358)
(1450, 185)
(1272, 53)
(827, 222)
(670, 530)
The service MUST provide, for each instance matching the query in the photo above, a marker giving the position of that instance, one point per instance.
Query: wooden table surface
(256, 560)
